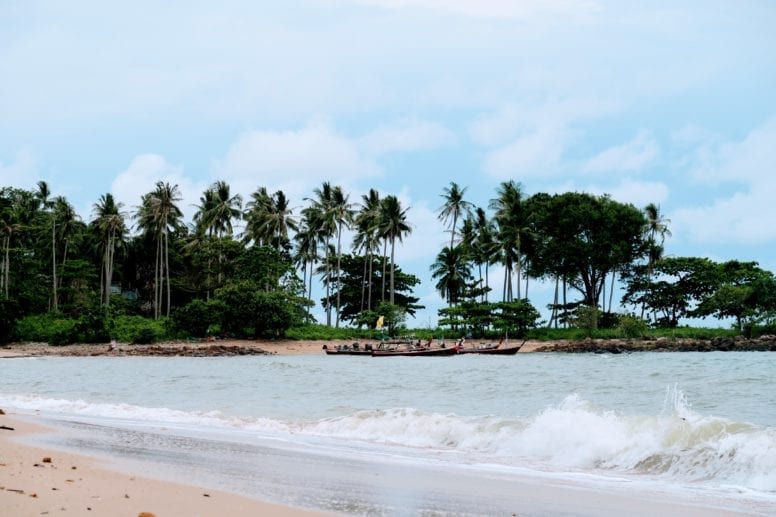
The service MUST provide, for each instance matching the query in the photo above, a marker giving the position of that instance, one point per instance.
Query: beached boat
(413, 351)
(352, 349)
(489, 349)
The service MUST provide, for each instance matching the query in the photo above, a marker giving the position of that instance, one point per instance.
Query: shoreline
(242, 347)
(81, 484)
(38, 481)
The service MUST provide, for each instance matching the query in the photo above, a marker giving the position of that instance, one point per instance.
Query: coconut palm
(66, 229)
(307, 240)
(342, 213)
(454, 208)
(278, 219)
(393, 225)
(255, 215)
(512, 222)
(452, 274)
(367, 238)
(43, 194)
(159, 214)
(486, 247)
(325, 228)
(109, 221)
(657, 227)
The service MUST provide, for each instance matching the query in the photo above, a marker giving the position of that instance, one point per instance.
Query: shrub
(632, 326)
(196, 318)
(138, 330)
(46, 328)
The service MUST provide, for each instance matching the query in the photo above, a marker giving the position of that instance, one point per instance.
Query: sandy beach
(41, 482)
(278, 347)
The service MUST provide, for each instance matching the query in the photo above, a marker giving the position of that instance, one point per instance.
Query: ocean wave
(678, 444)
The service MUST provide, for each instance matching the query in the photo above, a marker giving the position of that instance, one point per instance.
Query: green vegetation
(146, 276)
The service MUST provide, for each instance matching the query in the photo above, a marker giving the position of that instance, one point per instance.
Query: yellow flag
(380, 321)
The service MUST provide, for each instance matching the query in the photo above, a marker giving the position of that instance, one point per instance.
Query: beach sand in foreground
(41, 482)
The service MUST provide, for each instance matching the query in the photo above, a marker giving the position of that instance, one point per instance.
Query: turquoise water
(689, 420)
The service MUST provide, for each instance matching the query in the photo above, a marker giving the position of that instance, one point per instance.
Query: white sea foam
(678, 444)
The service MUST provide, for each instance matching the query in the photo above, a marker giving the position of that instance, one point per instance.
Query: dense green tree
(350, 288)
(587, 236)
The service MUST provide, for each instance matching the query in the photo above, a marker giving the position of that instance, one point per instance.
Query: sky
(668, 102)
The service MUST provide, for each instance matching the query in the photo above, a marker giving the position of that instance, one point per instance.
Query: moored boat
(352, 349)
(414, 351)
(489, 349)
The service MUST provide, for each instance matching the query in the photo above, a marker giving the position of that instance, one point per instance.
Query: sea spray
(677, 444)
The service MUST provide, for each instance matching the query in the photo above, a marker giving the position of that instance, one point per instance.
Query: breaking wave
(677, 444)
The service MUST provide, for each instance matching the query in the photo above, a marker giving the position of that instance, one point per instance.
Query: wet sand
(36, 481)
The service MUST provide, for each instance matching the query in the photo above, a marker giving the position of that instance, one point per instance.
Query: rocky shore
(618, 346)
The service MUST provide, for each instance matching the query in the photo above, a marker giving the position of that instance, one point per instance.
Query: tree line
(144, 260)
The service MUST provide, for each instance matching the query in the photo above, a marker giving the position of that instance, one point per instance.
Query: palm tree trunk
(385, 258)
(487, 282)
(167, 267)
(611, 291)
(369, 287)
(519, 271)
(363, 282)
(310, 280)
(452, 232)
(393, 265)
(64, 262)
(7, 264)
(339, 271)
(54, 260)
(157, 274)
(565, 313)
(328, 284)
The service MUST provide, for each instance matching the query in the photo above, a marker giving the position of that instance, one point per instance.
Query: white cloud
(630, 156)
(427, 236)
(750, 161)
(295, 161)
(747, 216)
(407, 135)
(520, 9)
(536, 154)
(22, 172)
(141, 175)
(638, 193)
(530, 139)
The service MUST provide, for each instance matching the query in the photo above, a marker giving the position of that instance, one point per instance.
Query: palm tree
(452, 273)
(43, 194)
(278, 218)
(454, 207)
(342, 213)
(326, 226)
(512, 222)
(109, 221)
(367, 239)
(67, 226)
(657, 226)
(222, 209)
(393, 225)
(255, 215)
(307, 240)
(216, 213)
(486, 247)
(159, 214)
(17, 212)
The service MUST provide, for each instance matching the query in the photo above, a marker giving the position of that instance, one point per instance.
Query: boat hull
(413, 353)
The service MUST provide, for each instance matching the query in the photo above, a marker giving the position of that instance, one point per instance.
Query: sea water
(399, 435)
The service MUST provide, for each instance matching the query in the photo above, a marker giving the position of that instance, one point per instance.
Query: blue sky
(665, 102)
